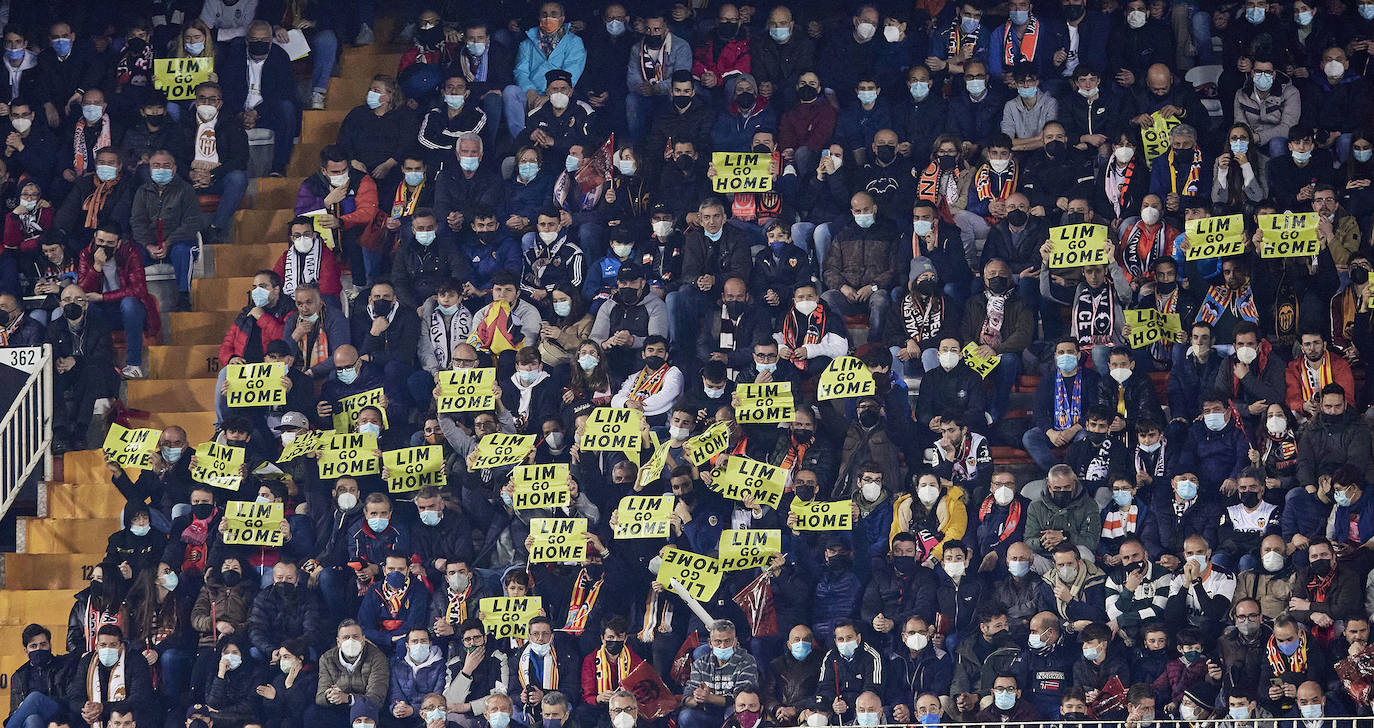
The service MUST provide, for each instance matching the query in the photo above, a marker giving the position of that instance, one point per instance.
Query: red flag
(654, 698)
(1111, 697)
(757, 602)
(682, 662)
(596, 169)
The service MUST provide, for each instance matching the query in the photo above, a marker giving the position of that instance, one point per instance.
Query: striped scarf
(1312, 380)
(1194, 172)
(1094, 316)
(1014, 52)
(658, 614)
(406, 199)
(607, 679)
(1068, 404)
(815, 329)
(1008, 526)
(1222, 298)
(1297, 662)
(547, 672)
(580, 605)
(1118, 524)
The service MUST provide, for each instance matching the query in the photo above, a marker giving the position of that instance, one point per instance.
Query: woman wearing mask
(1357, 196)
(1239, 173)
(375, 131)
(630, 197)
(560, 336)
(196, 41)
(221, 609)
(138, 545)
(1276, 448)
(99, 604)
(942, 510)
(160, 626)
(233, 690)
(1121, 184)
(528, 189)
(589, 380)
(26, 222)
(289, 689)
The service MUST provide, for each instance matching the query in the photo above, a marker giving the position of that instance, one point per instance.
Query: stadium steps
(80, 508)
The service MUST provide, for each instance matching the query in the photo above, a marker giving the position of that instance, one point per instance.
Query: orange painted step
(246, 259)
(197, 361)
(70, 572)
(276, 192)
(228, 293)
(68, 535)
(262, 226)
(89, 499)
(199, 426)
(200, 327)
(182, 395)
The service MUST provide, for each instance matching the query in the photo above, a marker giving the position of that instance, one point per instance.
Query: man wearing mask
(1137, 591)
(352, 673)
(355, 375)
(166, 483)
(858, 124)
(1046, 662)
(118, 679)
(852, 53)
(981, 658)
(1216, 448)
(466, 185)
(1019, 239)
(724, 52)
(1297, 658)
(257, 325)
(425, 258)
(17, 329)
(1053, 171)
(778, 269)
(550, 47)
(654, 62)
(1328, 591)
(713, 254)
(315, 332)
(653, 388)
(1201, 593)
(899, 587)
(559, 122)
(31, 150)
(269, 102)
(83, 364)
(685, 119)
(308, 261)
(1074, 588)
(1000, 323)
(1308, 374)
(861, 264)
(1165, 94)
(790, 683)
(731, 329)
(602, 671)
(1193, 372)
(1335, 438)
(1243, 649)
(218, 149)
(849, 669)
(1064, 514)
(453, 602)
(440, 535)
(37, 685)
(624, 323)
(950, 386)
(396, 604)
(1293, 179)
(539, 669)
(916, 667)
(921, 320)
(781, 59)
(805, 128)
(1063, 397)
(349, 199)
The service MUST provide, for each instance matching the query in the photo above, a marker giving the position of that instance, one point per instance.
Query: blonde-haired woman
(196, 41)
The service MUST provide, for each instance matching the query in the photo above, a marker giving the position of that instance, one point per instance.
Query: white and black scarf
(1094, 316)
(300, 269)
(923, 322)
(443, 337)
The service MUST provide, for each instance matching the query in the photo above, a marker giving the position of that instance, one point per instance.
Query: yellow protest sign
(304, 443)
(712, 442)
(326, 235)
(255, 385)
(466, 390)
(1072, 246)
(540, 486)
(131, 448)
(1148, 325)
(1155, 137)
(740, 476)
(1215, 237)
(506, 617)
(742, 549)
(1292, 235)
(644, 516)
(498, 449)
(180, 76)
(612, 429)
(764, 403)
(976, 362)
(742, 172)
(346, 416)
(349, 455)
(822, 515)
(218, 465)
(653, 469)
(253, 524)
(413, 468)
(845, 377)
(558, 539)
(699, 574)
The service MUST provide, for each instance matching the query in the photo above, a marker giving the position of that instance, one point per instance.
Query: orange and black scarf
(1024, 51)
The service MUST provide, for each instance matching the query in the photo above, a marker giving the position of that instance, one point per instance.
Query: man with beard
(980, 659)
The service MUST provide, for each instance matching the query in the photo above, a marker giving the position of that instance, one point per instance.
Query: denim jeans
(495, 108)
(324, 51)
(34, 711)
(1037, 443)
(1003, 379)
(179, 255)
(230, 188)
(639, 113)
(513, 103)
(283, 118)
(130, 314)
(876, 306)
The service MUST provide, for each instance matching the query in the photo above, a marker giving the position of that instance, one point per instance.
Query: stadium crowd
(1091, 529)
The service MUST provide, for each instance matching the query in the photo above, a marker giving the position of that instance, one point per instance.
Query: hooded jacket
(1077, 518)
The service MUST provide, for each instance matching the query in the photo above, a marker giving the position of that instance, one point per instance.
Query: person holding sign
(1182, 171)
(354, 376)
(1000, 323)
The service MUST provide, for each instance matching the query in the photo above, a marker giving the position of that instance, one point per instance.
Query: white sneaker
(364, 36)
(317, 101)
(132, 372)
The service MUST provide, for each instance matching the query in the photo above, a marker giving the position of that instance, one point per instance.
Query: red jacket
(237, 336)
(14, 232)
(807, 125)
(132, 284)
(734, 57)
(589, 673)
(329, 282)
(1340, 374)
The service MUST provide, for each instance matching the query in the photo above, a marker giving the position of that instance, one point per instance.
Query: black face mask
(999, 284)
(727, 31)
(885, 153)
(231, 578)
(745, 101)
(1056, 148)
(927, 287)
(39, 658)
(734, 308)
(1018, 217)
(761, 149)
(839, 563)
(946, 161)
(653, 42)
(259, 47)
(1165, 288)
(1061, 498)
(1319, 567)
(286, 589)
(73, 311)
(904, 564)
(802, 437)
(868, 417)
(381, 308)
(1249, 500)
(613, 647)
(808, 93)
(202, 511)
(1075, 715)
(136, 46)
(653, 362)
(682, 102)
(627, 296)
(97, 588)
(486, 237)
(1359, 276)
(429, 37)
(685, 162)
(805, 492)
(1096, 438)
(595, 571)
(1074, 12)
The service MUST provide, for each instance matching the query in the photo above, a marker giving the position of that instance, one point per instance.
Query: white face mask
(892, 33)
(21, 125)
(338, 180)
(1003, 495)
(1123, 154)
(1150, 215)
(866, 30)
(999, 165)
(955, 568)
(948, 359)
(871, 491)
(663, 228)
(1276, 425)
(548, 237)
(1272, 560)
(351, 648)
(805, 307)
(928, 494)
(559, 101)
(815, 720)
(916, 641)
(206, 112)
(679, 433)
(347, 501)
(1135, 19)
(303, 244)
(623, 720)
(1121, 375)
(1246, 354)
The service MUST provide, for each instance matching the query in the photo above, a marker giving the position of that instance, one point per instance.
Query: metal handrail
(26, 428)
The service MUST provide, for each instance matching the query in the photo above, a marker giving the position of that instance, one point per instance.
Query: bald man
(1172, 98)
(861, 264)
(83, 359)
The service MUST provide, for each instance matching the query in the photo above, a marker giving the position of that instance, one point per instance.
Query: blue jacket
(384, 630)
(484, 260)
(907, 676)
(837, 597)
(531, 64)
(1303, 513)
(1214, 456)
(735, 133)
(525, 199)
(1045, 674)
(410, 684)
(855, 127)
(1045, 46)
(1189, 379)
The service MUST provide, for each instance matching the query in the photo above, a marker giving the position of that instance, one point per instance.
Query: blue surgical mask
(1005, 701)
(800, 650)
(781, 35)
(847, 649)
(969, 25)
(588, 362)
(195, 49)
(108, 656)
(378, 524)
(769, 367)
(1342, 499)
(1362, 155)
(374, 99)
(470, 164)
(562, 308)
(106, 172)
(723, 653)
(1304, 18)
(172, 454)
(1255, 15)
(527, 375)
(140, 531)
(1122, 497)
(347, 376)
(1019, 17)
(476, 49)
(976, 86)
(866, 719)
(1027, 92)
(1240, 712)
(528, 170)
(312, 318)
(1302, 157)
(260, 296)
(713, 237)
(1066, 362)
(922, 227)
(1018, 569)
(1215, 421)
(615, 27)
(425, 237)
(498, 720)
(1090, 653)
(430, 518)
(448, 310)
(919, 89)
(1366, 11)
(1263, 81)
(414, 178)
(454, 101)
(1187, 489)
(867, 97)
(62, 46)
(370, 428)
(1239, 146)
(864, 220)
(160, 176)
(14, 54)
(1288, 648)
(929, 719)
(571, 163)
(92, 112)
